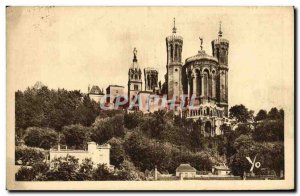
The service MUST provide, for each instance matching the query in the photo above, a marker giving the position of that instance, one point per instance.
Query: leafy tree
(131, 120)
(40, 137)
(240, 113)
(63, 169)
(105, 129)
(153, 125)
(41, 107)
(244, 146)
(28, 156)
(274, 114)
(102, 173)
(85, 171)
(25, 174)
(243, 129)
(87, 112)
(129, 172)
(269, 131)
(261, 115)
(33, 173)
(117, 152)
(76, 135)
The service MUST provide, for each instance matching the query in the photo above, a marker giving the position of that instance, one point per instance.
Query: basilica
(202, 77)
(200, 83)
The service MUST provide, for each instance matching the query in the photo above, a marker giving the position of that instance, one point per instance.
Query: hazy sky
(72, 47)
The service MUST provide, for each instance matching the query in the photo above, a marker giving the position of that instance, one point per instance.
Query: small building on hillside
(221, 170)
(186, 171)
(112, 93)
(99, 154)
(95, 93)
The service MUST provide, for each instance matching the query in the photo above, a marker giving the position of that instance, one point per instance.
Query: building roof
(201, 55)
(113, 85)
(96, 90)
(185, 168)
(222, 168)
(220, 40)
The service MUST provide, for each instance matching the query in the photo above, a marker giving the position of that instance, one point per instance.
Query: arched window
(176, 51)
(198, 83)
(213, 84)
(171, 51)
(205, 82)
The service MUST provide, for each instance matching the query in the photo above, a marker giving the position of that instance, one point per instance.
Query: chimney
(92, 146)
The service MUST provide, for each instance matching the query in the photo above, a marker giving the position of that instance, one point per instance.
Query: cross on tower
(174, 28)
(220, 29)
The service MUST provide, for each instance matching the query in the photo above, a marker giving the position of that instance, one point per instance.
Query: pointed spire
(174, 28)
(220, 29)
(134, 55)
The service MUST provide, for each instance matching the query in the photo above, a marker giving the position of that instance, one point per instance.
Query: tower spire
(220, 29)
(174, 28)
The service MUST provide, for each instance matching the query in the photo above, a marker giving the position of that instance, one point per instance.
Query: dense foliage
(53, 108)
(139, 142)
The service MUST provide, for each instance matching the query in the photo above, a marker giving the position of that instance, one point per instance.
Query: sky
(73, 47)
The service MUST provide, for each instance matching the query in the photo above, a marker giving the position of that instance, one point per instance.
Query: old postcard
(150, 98)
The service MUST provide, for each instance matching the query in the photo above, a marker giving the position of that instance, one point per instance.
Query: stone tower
(151, 79)
(135, 78)
(174, 64)
(220, 48)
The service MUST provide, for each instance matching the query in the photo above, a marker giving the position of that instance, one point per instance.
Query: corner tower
(134, 78)
(220, 48)
(174, 64)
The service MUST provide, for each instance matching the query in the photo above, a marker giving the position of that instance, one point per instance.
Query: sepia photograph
(150, 98)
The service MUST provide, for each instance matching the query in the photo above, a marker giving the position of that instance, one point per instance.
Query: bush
(117, 152)
(104, 129)
(76, 135)
(40, 137)
(269, 131)
(28, 156)
(30, 173)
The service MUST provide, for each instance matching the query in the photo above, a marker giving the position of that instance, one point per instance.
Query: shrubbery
(28, 156)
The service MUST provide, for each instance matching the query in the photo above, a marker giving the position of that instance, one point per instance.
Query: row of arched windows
(206, 112)
(203, 84)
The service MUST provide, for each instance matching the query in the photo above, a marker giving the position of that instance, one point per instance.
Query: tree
(105, 129)
(76, 135)
(261, 115)
(28, 156)
(274, 114)
(101, 173)
(131, 120)
(35, 172)
(240, 113)
(245, 147)
(85, 171)
(243, 129)
(87, 112)
(63, 169)
(40, 137)
(117, 152)
(129, 172)
(269, 130)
